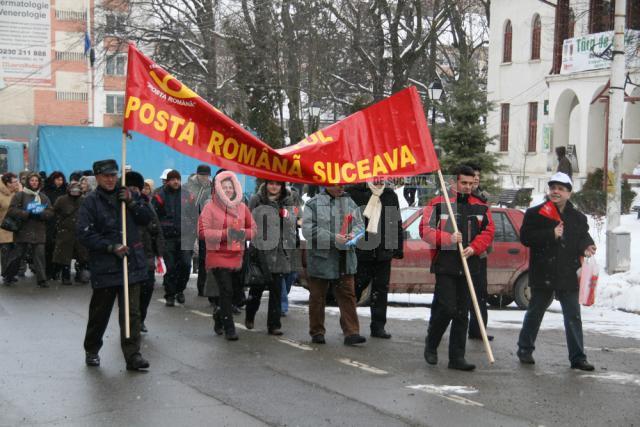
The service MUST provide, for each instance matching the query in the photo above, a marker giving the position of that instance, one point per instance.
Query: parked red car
(507, 265)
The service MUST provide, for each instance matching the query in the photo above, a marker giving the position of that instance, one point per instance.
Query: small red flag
(549, 210)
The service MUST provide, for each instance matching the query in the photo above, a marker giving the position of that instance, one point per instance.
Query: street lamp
(435, 92)
(314, 112)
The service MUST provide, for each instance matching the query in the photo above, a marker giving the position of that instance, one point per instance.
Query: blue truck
(72, 148)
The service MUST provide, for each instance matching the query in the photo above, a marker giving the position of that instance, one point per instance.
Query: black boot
(461, 365)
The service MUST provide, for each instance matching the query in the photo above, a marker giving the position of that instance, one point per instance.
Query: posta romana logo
(170, 85)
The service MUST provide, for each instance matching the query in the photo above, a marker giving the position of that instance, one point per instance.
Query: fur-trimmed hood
(219, 194)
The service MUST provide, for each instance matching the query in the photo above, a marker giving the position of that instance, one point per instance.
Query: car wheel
(522, 292)
(499, 301)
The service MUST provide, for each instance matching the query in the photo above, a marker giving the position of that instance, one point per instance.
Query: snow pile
(621, 290)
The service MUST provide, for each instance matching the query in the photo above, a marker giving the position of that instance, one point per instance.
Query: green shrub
(592, 199)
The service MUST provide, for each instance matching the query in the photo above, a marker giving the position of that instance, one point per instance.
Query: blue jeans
(541, 299)
(287, 282)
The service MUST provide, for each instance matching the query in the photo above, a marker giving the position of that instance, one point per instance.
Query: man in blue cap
(99, 229)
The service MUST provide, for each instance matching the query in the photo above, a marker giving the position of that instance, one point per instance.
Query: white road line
(632, 350)
(362, 366)
(201, 313)
(449, 392)
(616, 377)
(296, 344)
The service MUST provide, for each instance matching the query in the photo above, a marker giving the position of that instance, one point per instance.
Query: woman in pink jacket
(225, 224)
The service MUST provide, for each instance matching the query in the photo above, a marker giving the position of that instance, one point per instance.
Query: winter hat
(150, 183)
(134, 179)
(203, 170)
(173, 174)
(164, 173)
(562, 179)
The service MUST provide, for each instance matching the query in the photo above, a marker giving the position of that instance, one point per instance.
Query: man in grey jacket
(330, 220)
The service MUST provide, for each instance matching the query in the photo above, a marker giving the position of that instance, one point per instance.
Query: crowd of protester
(207, 225)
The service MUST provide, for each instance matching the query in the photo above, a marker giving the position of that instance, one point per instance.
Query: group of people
(351, 235)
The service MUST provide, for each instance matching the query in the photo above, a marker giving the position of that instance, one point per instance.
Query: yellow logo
(183, 93)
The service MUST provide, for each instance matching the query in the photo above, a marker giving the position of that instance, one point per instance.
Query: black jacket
(389, 240)
(99, 225)
(553, 262)
(474, 221)
(177, 213)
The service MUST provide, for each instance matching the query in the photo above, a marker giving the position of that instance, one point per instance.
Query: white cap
(164, 173)
(561, 178)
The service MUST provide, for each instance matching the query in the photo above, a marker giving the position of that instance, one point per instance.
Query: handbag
(11, 224)
(254, 268)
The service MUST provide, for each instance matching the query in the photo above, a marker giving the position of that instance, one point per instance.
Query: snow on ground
(416, 307)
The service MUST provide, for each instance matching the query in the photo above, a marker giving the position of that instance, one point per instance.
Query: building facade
(548, 78)
(55, 69)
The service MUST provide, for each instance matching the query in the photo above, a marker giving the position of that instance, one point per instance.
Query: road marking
(362, 366)
(296, 344)
(616, 377)
(201, 313)
(449, 392)
(632, 350)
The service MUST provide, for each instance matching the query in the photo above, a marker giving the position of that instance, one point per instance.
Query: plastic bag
(161, 268)
(588, 281)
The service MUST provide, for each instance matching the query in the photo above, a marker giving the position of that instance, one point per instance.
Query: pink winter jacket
(217, 217)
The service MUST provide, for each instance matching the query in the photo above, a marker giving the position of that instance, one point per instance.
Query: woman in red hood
(225, 224)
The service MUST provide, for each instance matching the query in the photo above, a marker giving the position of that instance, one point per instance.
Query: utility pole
(618, 241)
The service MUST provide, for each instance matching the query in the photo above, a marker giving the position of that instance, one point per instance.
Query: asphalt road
(197, 378)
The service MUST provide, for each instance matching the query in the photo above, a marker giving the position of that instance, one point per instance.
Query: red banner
(388, 139)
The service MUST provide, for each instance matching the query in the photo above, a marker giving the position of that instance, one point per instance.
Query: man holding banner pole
(454, 258)
(115, 264)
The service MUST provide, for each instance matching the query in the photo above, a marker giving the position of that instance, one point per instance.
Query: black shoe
(248, 324)
(283, 314)
(276, 332)
(43, 284)
(8, 281)
(169, 302)
(583, 365)
(180, 298)
(318, 339)
(354, 339)
(143, 328)
(235, 309)
(92, 359)
(526, 358)
(67, 282)
(479, 337)
(136, 363)
(431, 356)
(231, 336)
(461, 365)
(381, 334)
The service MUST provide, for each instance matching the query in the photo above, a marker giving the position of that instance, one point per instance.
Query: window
(116, 65)
(562, 31)
(533, 126)
(571, 24)
(601, 16)
(633, 15)
(535, 37)
(115, 24)
(504, 127)
(508, 37)
(115, 104)
(504, 231)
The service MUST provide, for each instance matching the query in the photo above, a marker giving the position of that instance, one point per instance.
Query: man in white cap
(557, 235)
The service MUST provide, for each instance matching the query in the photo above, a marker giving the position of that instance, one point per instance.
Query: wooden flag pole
(125, 266)
(467, 274)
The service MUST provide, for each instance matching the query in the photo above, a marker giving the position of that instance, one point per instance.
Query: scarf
(35, 194)
(374, 208)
